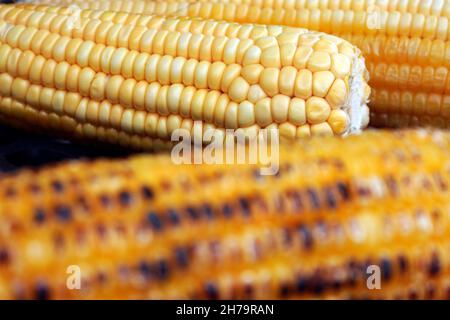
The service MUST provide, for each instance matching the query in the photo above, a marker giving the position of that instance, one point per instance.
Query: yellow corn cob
(405, 44)
(143, 82)
(146, 228)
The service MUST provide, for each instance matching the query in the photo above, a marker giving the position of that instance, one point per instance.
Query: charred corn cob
(142, 79)
(405, 44)
(147, 228)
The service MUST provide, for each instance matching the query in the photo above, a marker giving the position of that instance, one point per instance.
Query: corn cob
(146, 81)
(405, 44)
(147, 228)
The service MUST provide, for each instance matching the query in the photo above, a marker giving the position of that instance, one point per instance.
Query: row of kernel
(411, 50)
(428, 7)
(403, 76)
(412, 103)
(91, 19)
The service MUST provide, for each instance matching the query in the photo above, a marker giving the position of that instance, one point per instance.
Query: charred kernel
(402, 263)
(105, 200)
(344, 191)
(314, 198)
(161, 270)
(245, 206)
(173, 217)
(434, 267)
(211, 291)
(145, 269)
(227, 210)
(208, 211)
(155, 221)
(4, 256)
(330, 199)
(57, 186)
(39, 216)
(284, 290)
(181, 257)
(125, 198)
(386, 269)
(302, 284)
(42, 292)
(306, 237)
(63, 213)
(147, 193)
(35, 188)
(193, 213)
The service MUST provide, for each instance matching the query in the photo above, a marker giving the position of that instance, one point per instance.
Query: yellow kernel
(303, 84)
(319, 61)
(317, 110)
(280, 108)
(297, 111)
(246, 114)
(269, 81)
(337, 95)
(321, 129)
(322, 81)
(287, 80)
(263, 113)
(303, 131)
(340, 65)
(238, 89)
(252, 72)
(287, 130)
(338, 121)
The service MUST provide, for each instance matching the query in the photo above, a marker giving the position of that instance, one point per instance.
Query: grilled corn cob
(147, 228)
(405, 44)
(147, 77)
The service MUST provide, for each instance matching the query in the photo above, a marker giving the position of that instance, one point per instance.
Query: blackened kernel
(306, 237)
(173, 216)
(57, 186)
(302, 284)
(386, 269)
(105, 200)
(211, 291)
(161, 270)
(63, 213)
(42, 292)
(193, 213)
(4, 256)
(145, 269)
(248, 291)
(39, 216)
(435, 266)
(284, 290)
(83, 203)
(182, 257)
(208, 210)
(227, 210)
(147, 193)
(155, 221)
(344, 191)
(296, 201)
(318, 285)
(330, 199)
(412, 295)
(125, 198)
(402, 263)
(245, 206)
(314, 198)
(34, 188)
